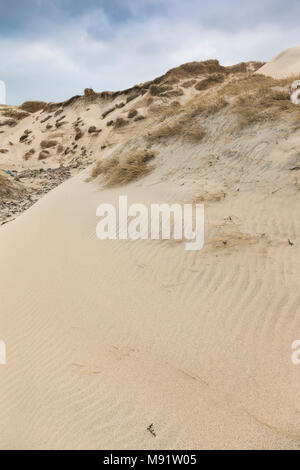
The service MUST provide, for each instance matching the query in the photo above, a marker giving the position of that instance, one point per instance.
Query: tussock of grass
(43, 155)
(205, 106)
(29, 154)
(107, 112)
(243, 67)
(156, 90)
(32, 106)
(122, 169)
(173, 93)
(252, 98)
(120, 122)
(183, 121)
(196, 68)
(251, 111)
(257, 99)
(254, 83)
(210, 81)
(165, 111)
(132, 113)
(132, 97)
(14, 114)
(45, 144)
(9, 122)
(180, 127)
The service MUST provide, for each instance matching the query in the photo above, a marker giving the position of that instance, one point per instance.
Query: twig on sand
(151, 430)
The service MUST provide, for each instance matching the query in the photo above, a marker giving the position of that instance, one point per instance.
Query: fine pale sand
(105, 338)
(284, 65)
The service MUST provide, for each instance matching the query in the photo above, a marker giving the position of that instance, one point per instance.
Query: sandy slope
(285, 64)
(105, 338)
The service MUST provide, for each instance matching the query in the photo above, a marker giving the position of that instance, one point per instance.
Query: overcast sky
(52, 49)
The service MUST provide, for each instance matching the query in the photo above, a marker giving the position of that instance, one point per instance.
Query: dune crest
(284, 65)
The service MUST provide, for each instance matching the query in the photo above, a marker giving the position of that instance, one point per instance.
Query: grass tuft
(118, 170)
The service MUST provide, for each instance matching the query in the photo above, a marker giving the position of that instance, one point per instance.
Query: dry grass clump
(29, 154)
(46, 119)
(243, 67)
(165, 111)
(90, 95)
(104, 167)
(32, 106)
(251, 110)
(194, 133)
(167, 130)
(259, 99)
(43, 155)
(171, 81)
(132, 113)
(9, 123)
(183, 120)
(158, 90)
(78, 133)
(132, 96)
(196, 68)
(205, 107)
(25, 136)
(246, 83)
(252, 98)
(107, 112)
(15, 114)
(120, 122)
(140, 117)
(120, 169)
(257, 84)
(173, 93)
(181, 127)
(210, 81)
(45, 144)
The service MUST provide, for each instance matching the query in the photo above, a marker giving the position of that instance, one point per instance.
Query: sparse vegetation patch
(121, 169)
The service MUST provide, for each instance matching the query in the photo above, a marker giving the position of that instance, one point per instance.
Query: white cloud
(56, 67)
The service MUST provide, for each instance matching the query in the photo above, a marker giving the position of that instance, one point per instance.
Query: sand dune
(105, 338)
(284, 65)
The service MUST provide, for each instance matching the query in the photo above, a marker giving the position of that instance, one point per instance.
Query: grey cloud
(96, 43)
